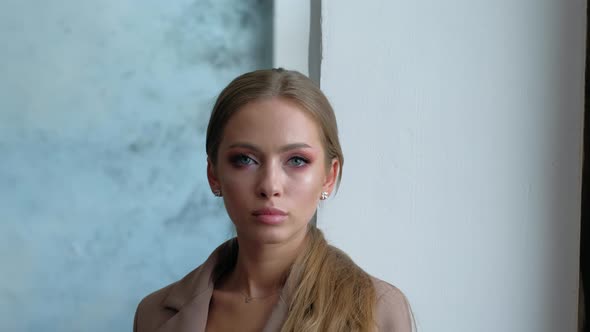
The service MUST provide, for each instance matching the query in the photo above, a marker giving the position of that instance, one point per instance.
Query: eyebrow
(283, 148)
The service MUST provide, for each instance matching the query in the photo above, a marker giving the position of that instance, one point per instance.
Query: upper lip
(269, 211)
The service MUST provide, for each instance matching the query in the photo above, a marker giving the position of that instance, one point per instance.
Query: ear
(331, 176)
(212, 177)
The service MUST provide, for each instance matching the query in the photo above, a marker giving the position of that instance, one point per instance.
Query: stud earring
(217, 193)
(324, 196)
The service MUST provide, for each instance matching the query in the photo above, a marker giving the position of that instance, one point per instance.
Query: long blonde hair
(332, 293)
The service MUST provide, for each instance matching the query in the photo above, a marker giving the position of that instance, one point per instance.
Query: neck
(261, 269)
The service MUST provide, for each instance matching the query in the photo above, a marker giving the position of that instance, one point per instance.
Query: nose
(269, 182)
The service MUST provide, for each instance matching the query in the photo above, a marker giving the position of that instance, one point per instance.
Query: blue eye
(298, 161)
(242, 160)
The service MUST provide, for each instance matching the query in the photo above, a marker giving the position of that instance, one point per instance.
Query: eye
(242, 160)
(298, 161)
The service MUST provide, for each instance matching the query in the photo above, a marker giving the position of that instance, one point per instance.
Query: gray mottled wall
(103, 107)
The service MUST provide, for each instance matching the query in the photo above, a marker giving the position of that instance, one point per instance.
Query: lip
(270, 215)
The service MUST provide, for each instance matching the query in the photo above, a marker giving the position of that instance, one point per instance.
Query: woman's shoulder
(159, 306)
(392, 310)
(151, 311)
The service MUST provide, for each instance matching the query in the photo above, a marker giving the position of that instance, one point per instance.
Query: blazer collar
(195, 283)
(190, 297)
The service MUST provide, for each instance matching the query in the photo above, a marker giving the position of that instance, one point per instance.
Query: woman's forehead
(272, 122)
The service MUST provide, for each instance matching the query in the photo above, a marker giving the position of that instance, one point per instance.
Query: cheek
(306, 185)
(305, 194)
(233, 182)
(234, 187)
(235, 196)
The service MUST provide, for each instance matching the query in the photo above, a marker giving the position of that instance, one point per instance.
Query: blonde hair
(331, 293)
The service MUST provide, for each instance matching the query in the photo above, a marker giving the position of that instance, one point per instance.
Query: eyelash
(303, 160)
(242, 160)
(237, 160)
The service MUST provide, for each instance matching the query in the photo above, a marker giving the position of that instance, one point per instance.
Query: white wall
(291, 34)
(461, 124)
(297, 36)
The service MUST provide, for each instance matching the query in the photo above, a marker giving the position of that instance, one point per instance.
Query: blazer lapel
(190, 296)
(277, 317)
(279, 313)
(192, 317)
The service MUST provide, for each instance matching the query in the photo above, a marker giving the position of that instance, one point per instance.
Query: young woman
(273, 154)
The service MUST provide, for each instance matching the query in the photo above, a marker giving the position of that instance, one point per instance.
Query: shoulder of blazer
(392, 310)
(175, 295)
(151, 311)
(159, 306)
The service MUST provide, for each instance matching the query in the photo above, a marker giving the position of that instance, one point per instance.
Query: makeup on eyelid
(245, 159)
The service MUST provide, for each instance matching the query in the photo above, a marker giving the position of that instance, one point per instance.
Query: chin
(271, 235)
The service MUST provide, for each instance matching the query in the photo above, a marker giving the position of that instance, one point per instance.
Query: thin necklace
(248, 299)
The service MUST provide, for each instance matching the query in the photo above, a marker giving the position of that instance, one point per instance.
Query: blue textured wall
(103, 192)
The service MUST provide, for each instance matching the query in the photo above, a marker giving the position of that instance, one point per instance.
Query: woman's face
(271, 169)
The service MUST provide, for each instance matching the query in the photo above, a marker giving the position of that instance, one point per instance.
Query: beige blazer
(183, 306)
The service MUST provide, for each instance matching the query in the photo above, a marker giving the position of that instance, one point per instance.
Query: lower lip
(271, 219)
